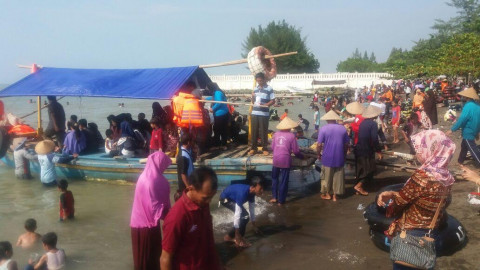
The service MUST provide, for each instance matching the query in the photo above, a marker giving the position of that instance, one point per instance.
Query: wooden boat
(157, 84)
(231, 166)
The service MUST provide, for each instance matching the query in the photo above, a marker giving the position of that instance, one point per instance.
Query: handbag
(414, 251)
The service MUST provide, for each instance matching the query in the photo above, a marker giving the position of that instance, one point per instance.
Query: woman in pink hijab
(427, 189)
(151, 203)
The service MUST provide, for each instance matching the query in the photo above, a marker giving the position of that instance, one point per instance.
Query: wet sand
(311, 233)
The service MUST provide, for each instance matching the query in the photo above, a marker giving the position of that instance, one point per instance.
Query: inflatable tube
(257, 62)
(376, 219)
(4, 141)
(453, 235)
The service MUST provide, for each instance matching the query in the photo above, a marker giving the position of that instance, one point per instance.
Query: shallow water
(99, 237)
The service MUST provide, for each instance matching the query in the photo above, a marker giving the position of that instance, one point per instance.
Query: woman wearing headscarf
(427, 189)
(159, 112)
(150, 205)
(418, 99)
(430, 106)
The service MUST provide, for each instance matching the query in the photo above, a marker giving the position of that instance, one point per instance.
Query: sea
(99, 237)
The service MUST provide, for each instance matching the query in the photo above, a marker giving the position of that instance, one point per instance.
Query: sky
(150, 34)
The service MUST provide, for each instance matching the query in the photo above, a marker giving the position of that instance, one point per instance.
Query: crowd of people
(184, 129)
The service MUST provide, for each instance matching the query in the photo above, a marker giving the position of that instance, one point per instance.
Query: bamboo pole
(39, 116)
(241, 61)
(38, 108)
(231, 103)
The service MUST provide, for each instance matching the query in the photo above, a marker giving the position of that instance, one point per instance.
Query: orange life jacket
(21, 129)
(187, 111)
(231, 109)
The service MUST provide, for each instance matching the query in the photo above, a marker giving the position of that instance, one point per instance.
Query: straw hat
(287, 123)
(470, 93)
(355, 108)
(331, 115)
(371, 112)
(44, 147)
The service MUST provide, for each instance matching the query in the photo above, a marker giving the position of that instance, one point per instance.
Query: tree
(373, 58)
(280, 37)
(467, 21)
(357, 63)
(459, 56)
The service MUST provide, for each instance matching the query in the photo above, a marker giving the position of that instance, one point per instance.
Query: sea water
(99, 237)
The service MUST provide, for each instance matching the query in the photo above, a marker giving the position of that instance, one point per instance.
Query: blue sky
(146, 34)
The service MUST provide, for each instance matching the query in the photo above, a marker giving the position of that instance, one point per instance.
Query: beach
(307, 233)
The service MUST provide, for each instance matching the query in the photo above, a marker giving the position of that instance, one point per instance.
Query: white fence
(303, 81)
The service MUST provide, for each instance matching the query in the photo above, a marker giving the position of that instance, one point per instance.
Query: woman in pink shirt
(283, 144)
(151, 203)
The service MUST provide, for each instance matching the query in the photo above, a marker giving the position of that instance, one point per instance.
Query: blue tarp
(157, 83)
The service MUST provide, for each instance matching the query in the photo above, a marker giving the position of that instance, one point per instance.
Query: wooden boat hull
(101, 167)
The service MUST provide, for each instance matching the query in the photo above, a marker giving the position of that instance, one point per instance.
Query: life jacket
(21, 129)
(231, 109)
(187, 111)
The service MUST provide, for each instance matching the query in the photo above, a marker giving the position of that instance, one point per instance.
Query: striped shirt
(263, 95)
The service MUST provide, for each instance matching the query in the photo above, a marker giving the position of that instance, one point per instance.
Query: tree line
(453, 49)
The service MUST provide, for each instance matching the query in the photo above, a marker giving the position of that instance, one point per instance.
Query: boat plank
(231, 152)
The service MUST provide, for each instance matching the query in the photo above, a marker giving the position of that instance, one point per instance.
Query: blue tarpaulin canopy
(156, 83)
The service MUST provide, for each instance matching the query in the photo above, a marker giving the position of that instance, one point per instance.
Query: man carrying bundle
(262, 95)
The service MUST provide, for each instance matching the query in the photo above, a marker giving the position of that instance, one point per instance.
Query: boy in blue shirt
(234, 197)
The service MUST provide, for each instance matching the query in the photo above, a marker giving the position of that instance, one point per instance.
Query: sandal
(273, 201)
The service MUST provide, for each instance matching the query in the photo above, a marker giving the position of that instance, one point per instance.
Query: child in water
(67, 202)
(6, 253)
(53, 259)
(30, 238)
(304, 121)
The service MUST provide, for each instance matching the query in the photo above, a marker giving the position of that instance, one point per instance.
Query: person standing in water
(188, 241)
(150, 205)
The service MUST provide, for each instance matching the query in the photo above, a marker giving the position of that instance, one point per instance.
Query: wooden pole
(39, 116)
(241, 61)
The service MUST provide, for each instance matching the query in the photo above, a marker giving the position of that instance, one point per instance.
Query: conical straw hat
(355, 108)
(44, 147)
(371, 112)
(470, 93)
(331, 115)
(287, 123)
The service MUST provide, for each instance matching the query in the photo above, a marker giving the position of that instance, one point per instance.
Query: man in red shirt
(187, 230)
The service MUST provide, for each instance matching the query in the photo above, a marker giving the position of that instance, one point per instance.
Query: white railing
(303, 81)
